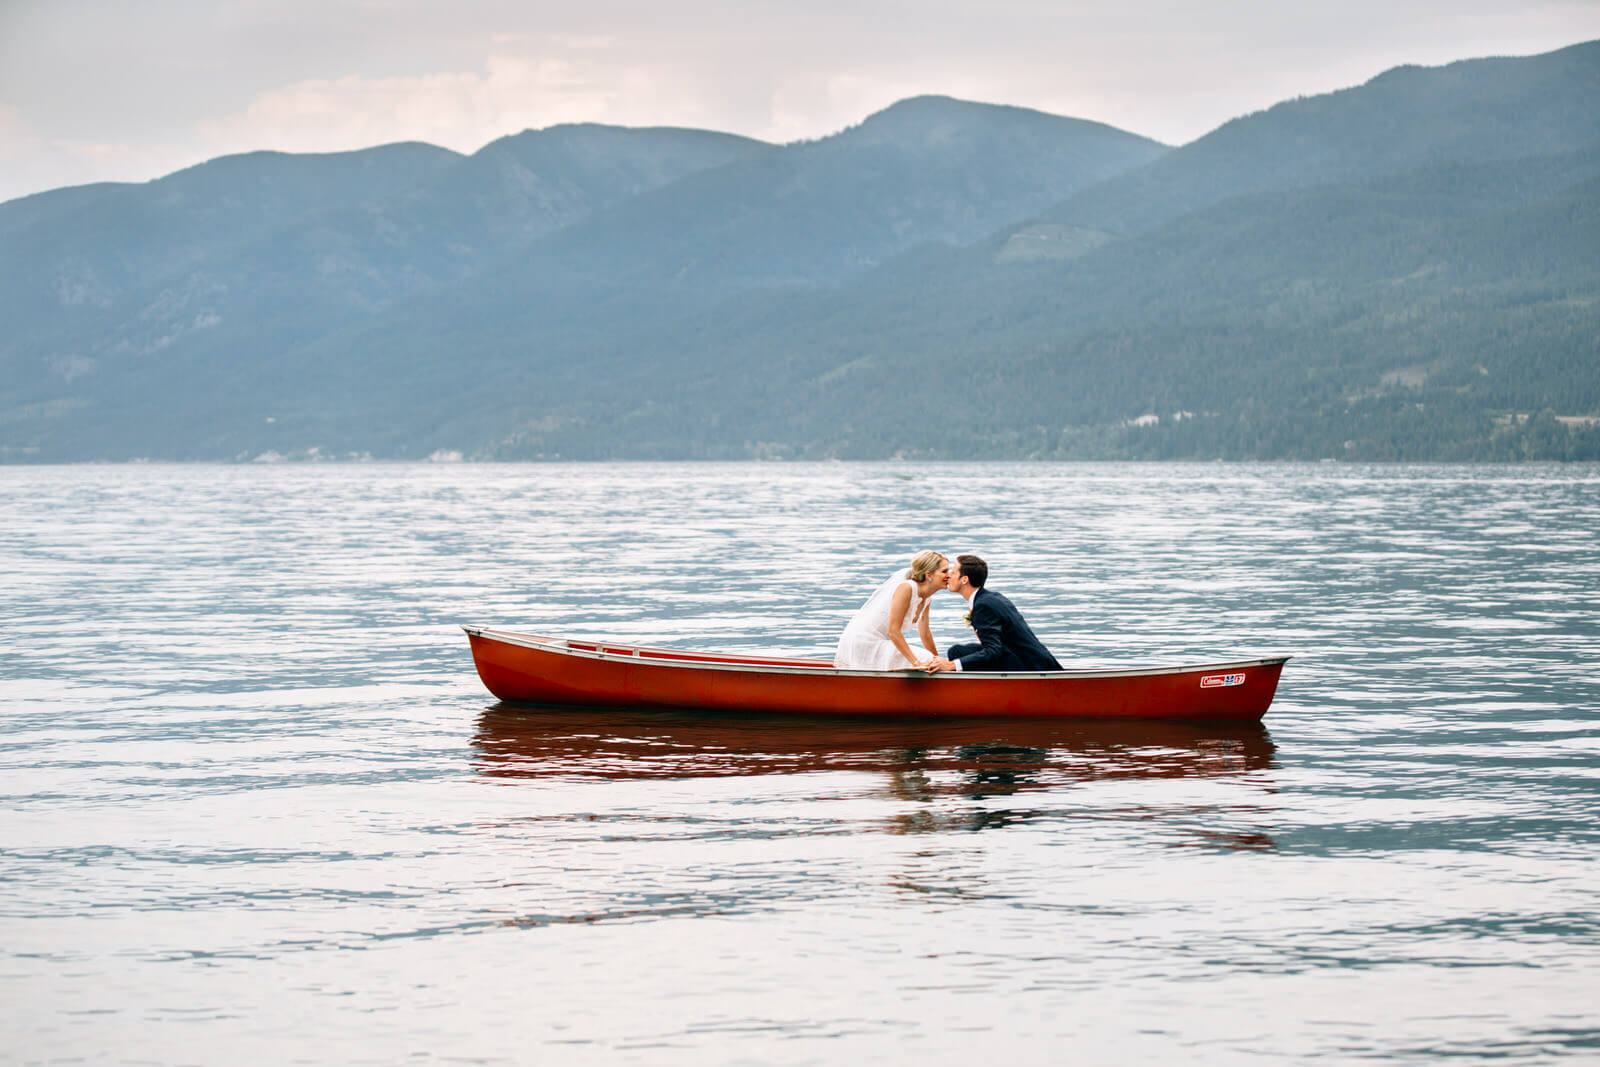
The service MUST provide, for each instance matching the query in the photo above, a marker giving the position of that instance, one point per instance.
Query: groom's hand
(939, 663)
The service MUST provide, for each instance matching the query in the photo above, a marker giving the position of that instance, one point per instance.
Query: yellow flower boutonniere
(967, 618)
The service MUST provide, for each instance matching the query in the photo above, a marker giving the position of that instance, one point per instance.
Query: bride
(874, 640)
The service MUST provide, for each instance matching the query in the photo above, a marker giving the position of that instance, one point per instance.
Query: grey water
(255, 803)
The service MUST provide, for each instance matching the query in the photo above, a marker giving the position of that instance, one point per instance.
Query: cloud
(212, 77)
(31, 162)
(460, 110)
(522, 83)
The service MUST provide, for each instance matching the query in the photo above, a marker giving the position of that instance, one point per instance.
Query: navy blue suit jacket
(1007, 642)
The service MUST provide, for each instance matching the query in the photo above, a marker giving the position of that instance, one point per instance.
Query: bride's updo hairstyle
(924, 564)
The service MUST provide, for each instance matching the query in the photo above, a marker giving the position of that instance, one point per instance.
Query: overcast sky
(129, 90)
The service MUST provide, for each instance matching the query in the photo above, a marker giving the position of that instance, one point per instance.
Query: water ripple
(256, 801)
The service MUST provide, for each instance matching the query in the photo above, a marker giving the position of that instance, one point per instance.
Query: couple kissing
(875, 638)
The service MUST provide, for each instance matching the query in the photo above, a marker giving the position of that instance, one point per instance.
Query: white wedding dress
(865, 644)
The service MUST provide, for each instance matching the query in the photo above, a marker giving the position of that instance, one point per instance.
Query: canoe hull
(525, 669)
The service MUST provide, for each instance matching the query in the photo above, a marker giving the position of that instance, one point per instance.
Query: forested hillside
(1408, 269)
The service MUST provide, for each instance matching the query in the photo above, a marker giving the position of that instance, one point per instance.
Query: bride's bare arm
(925, 631)
(897, 618)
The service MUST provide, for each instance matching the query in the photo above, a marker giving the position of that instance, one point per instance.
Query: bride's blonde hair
(925, 563)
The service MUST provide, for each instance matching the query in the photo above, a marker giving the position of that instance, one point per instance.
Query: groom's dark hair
(976, 570)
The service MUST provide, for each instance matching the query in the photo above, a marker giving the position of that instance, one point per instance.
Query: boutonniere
(967, 618)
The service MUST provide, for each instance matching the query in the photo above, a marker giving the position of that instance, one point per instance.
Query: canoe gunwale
(666, 657)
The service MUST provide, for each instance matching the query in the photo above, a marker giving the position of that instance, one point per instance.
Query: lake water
(256, 804)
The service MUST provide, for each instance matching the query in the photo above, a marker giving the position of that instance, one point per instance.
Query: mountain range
(1407, 269)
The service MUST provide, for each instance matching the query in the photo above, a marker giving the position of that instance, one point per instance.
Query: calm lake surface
(257, 806)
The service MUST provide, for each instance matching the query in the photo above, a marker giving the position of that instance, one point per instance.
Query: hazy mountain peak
(1410, 116)
(270, 161)
(935, 120)
(602, 290)
(597, 135)
(932, 106)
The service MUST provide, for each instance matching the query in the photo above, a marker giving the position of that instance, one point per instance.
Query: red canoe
(522, 668)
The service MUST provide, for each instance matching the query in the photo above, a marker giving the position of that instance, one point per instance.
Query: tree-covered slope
(1406, 269)
(1408, 316)
(141, 298)
(325, 326)
(1472, 111)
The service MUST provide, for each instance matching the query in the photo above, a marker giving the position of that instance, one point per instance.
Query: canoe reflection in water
(927, 762)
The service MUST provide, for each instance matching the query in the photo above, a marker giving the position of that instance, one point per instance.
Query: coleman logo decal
(1212, 681)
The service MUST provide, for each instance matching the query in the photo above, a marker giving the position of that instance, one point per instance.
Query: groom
(1004, 641)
